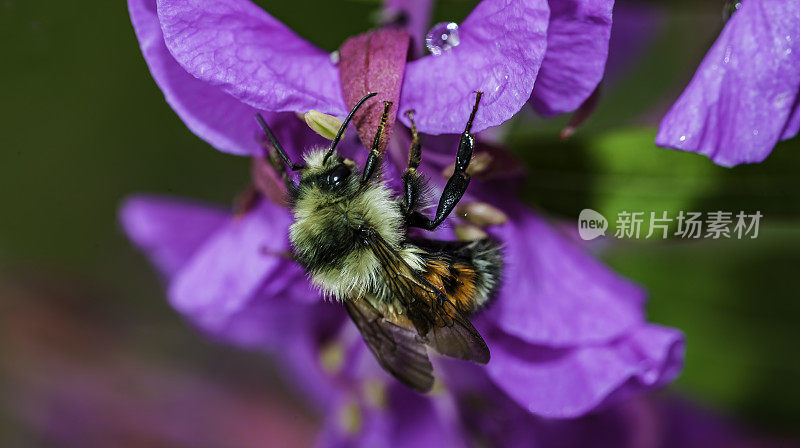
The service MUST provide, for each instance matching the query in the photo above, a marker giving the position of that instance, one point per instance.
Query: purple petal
(349, 425)
(302, 338)
(651, 421)
(280, 311)
(555, 293)
(577, 48)
(244, 260)
(184, 239)
(423, 420)
(502, 44)
(739, 103)
(408, 420)
(214, 116)
(374, 62)
(689, 425)
(169, 231)
(417, 17)
(236, 46)
(223, 121)
(566, 383)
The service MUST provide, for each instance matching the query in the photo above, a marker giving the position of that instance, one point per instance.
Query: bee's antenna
(345, 123)
(277, 145)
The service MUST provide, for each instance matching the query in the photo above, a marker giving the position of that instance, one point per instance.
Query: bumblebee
(404, 294)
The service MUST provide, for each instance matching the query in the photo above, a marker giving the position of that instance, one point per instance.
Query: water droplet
(334, 57)
(683, 138)
(728, 52)
(730, 7)
(442, 37)
(755, 131)
(788, 51)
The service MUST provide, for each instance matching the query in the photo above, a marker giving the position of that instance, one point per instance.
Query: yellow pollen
(350, 418)
(481, 214)
(331, 357)
(323, 124)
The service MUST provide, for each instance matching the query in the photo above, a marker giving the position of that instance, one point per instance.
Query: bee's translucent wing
(397, 349)
(460, 341)
(434, 315)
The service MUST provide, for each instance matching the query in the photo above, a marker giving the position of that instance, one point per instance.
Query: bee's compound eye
(338, 175)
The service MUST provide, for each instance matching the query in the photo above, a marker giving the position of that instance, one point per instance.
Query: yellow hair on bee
(322, 215)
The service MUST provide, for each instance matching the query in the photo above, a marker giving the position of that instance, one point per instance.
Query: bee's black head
(336, 175)
(335, 178)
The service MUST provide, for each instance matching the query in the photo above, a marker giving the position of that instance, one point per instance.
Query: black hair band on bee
(345, 123)
(277, 145)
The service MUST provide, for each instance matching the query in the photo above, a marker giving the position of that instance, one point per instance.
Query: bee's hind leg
(457, 184)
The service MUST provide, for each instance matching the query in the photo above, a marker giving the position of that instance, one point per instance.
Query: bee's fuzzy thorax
(326, 233)
(314, 162)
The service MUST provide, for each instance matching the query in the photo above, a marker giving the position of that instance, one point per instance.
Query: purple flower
(220, 61)
(573, 365)
(745, 96)
(566, 334)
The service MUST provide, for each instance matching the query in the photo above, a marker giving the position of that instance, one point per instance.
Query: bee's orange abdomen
(457, 281)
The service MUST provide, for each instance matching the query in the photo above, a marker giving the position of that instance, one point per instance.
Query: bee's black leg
(374, 159)
(412, 182)
(458, 182)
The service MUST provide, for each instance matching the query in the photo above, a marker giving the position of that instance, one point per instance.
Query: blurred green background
(84, 125)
